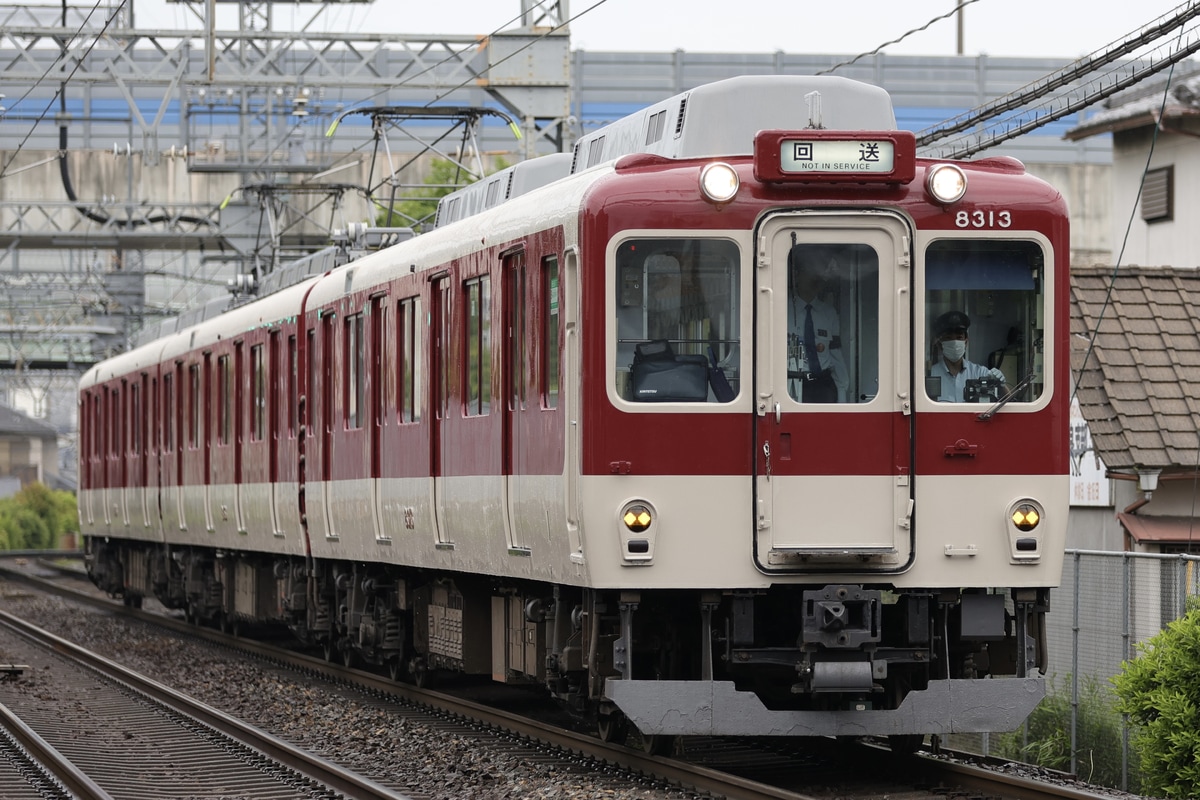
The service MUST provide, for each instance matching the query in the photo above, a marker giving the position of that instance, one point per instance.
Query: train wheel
(611, 724)
(349, 657)
(395, 669)
(905, 744)
(329, 649)
(421, 674)
(658, 745)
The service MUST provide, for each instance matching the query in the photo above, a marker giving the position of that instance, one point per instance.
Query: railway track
(702, 767)
(79, 709)
(31, 767)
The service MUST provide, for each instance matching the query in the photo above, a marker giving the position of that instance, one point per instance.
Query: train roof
(501, 187)
(551, 205)
(717, 119)
(262, 313)
(722, 118)
(145, 357)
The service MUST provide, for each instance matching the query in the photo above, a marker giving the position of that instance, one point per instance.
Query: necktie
(810, 343)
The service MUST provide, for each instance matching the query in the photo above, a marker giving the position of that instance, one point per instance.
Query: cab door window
(832, 323)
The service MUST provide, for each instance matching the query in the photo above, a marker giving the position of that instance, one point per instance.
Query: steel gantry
(218, 143)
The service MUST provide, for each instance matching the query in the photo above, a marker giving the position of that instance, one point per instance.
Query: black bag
(660, 376)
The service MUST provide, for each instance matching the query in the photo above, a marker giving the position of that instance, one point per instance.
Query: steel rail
(52, 763)
(320, 770)
(702, 779)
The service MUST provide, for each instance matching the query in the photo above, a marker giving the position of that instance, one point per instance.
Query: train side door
(206, 432)
(439, 389)
(182, 441)
(375, 413)
(514, 376)
(832, 374)
(239, 430)
(330, 378)
(135, 490)
(271, 376)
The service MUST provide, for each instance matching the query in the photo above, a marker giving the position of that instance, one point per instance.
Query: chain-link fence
(1107, 603)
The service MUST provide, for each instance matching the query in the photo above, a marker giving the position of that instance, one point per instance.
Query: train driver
(952, 366)
(816, 369)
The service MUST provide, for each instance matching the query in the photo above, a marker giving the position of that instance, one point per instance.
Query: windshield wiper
(991, 412)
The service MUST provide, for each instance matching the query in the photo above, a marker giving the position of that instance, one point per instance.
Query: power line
(58, 92)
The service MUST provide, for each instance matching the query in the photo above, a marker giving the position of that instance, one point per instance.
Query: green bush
(1046, 738)
(36, 518)
(1160, 691)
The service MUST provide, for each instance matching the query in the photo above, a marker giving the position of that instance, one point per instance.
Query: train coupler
(842, 616)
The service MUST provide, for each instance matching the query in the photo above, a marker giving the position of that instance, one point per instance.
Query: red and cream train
(564, 438)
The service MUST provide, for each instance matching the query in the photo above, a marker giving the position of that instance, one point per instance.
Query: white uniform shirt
(828, 338)
(953, 385)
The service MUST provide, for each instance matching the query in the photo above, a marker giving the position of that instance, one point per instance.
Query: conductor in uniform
(816, 369)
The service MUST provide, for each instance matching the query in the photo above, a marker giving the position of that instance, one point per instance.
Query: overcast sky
(1058, 28)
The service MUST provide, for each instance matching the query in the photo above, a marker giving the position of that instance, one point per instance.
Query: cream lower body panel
(705, 532)
(114, 525)
(477, 523)
(965, 536)
(211, 515)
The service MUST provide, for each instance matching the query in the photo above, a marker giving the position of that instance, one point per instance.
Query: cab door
(833, 483)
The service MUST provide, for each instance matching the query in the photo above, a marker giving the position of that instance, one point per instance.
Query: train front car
(824, 427)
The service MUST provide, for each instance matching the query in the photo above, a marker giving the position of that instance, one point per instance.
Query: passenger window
(984, 320)
(478, 345)
(677, 325)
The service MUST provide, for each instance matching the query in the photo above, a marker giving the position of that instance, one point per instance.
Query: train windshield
(677, 320)
(984, 317)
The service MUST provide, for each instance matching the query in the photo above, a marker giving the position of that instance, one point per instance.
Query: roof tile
(1140, 387)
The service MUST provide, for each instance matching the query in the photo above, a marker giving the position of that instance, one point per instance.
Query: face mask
(954, 349)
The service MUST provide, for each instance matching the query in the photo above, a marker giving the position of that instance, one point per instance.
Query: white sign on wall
(1089, 486)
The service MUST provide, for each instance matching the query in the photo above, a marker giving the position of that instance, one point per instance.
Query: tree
(420, 207)
(23, 527)
(1160, 691)
(36, 518)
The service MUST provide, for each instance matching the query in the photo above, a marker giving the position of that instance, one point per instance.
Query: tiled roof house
(1136, 356)
(1139, 386)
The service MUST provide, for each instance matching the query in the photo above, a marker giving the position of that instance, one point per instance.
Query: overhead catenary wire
(1088, 65)
(956, 10)
(58, 65)
(1053, 97)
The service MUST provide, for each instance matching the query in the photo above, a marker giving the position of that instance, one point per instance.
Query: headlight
(637, 518)
(719, 182)
(637, 528)
(946, 183)
(1026, 517)
(1024, 534)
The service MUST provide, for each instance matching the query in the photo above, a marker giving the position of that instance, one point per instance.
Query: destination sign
(832, 155)
(844, 157)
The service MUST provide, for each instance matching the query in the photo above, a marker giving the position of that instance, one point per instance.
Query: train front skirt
(716, 708)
